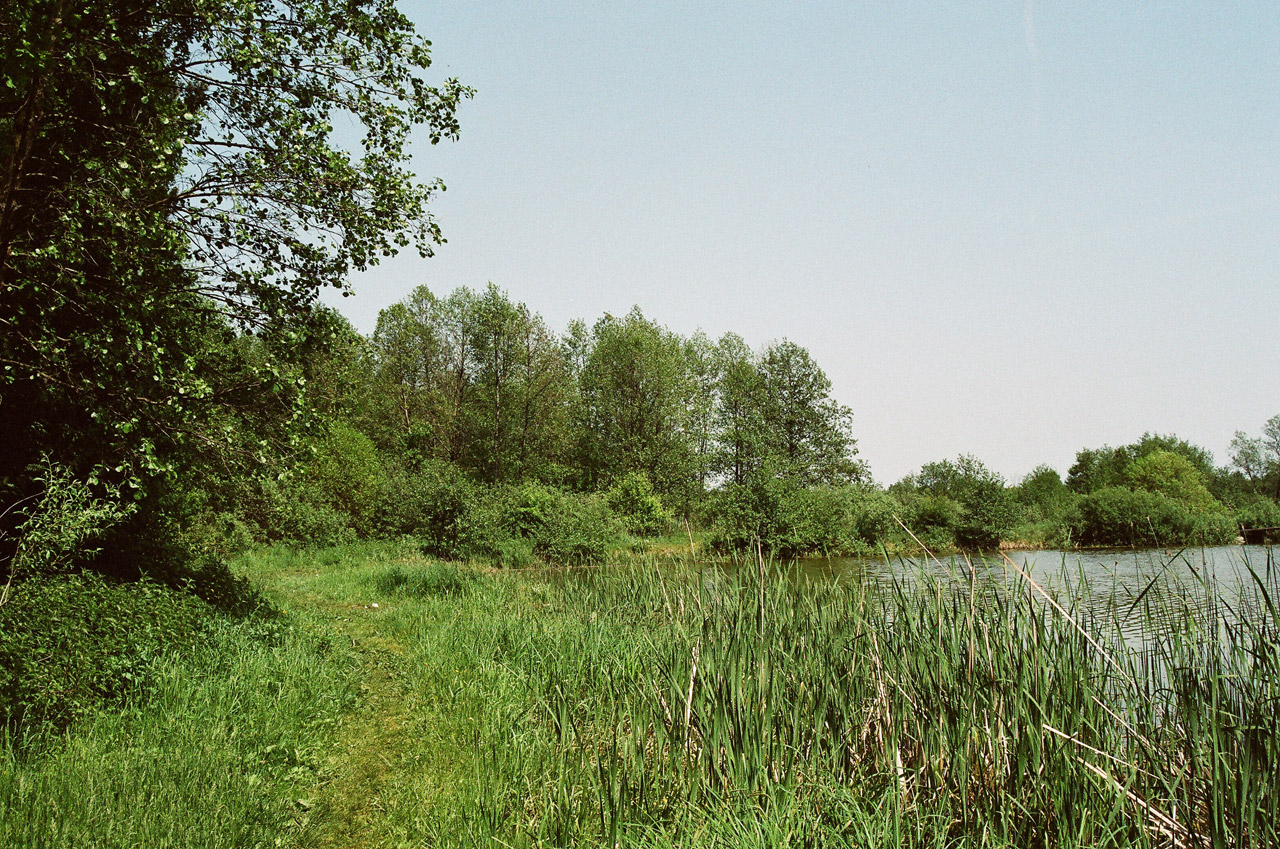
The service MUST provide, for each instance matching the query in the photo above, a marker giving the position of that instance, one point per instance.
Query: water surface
(1140, 593)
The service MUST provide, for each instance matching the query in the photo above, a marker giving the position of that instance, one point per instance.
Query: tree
(474, 379)
(632, 415)
(703, 367)
(739, 415)
(408, 356)
(806, 427)
(988, 508)
(1171, 475)
(1258, 458)
(1043, 490)
(171, 171)
(516, 410)
(1106, 466)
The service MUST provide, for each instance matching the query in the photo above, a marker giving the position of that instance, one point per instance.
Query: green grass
(223, 750)
(409, 702)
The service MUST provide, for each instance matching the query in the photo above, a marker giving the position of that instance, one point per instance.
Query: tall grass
(663, 704)
(681, 704)
(223, 749)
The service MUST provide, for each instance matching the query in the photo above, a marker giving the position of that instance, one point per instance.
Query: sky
(1003, 229)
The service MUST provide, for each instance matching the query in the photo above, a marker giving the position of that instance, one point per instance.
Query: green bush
(528, 509)
(746, 515)
(1174, 476)
(1043, 495)
(220, 534)
(790, 520)
(494, 534)
(75, 642)
(1126, 517)
(292, 514)
(581, 531)
(933, 520)
(988, 511)
(872, 513)
(436, 503)
(633, 500)
(64, 524)
(347, 475)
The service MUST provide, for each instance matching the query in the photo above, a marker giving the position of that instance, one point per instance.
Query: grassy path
(386, 767)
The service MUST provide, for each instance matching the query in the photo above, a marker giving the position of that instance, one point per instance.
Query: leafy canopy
(171, 174)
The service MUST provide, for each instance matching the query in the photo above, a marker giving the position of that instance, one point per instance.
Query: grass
(410, 702)
(223, 750)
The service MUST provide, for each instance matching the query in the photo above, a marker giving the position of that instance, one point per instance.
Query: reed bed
(700, 703)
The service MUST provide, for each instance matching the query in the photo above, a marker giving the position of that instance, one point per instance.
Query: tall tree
(168, 168)
(740, 422)
(517, 406)
(1258, 458)
(632, 414)
(808, 429)
(1106, 466)
(703, 368)
(476, 380)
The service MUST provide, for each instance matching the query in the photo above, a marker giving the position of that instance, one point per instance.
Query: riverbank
(398, 700)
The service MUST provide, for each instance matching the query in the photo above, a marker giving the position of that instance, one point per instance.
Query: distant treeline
(467, 422)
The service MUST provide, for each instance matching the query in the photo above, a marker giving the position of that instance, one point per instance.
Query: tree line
(466, 420)
(173, 195)
(470, 406)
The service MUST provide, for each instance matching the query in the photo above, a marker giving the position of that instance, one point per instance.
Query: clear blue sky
(1002, 229)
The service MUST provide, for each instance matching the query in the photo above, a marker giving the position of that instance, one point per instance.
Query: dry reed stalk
(1065, 736)
(1065, 615)
(688, 700)
(665, 597)
(1158, 821)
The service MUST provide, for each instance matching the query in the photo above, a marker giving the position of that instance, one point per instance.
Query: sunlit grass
(664, 704)
(223, 750)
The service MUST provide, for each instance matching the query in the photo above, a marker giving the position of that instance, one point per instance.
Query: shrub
(72, 643)
(791, 520)
(290, 513)
(437, 503)
(746, 515)
(528, 509)
(1171, 475)
(348, 476)
(988, 511)
(933, 520)
(220, 534)
(1120, 516)
(580, 531)
(63, 524)
(1043, 495)
(633, 500)
(872, 512)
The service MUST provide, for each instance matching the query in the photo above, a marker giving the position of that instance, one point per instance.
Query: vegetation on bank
(388, 699)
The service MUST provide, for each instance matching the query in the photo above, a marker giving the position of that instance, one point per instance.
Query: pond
(1138, 593)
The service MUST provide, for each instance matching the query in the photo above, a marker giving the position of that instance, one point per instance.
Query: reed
(974, 714)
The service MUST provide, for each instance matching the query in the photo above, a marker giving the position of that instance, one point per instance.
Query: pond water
(1138, 593)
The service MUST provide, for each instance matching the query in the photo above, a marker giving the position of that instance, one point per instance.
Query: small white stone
(375, 604)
